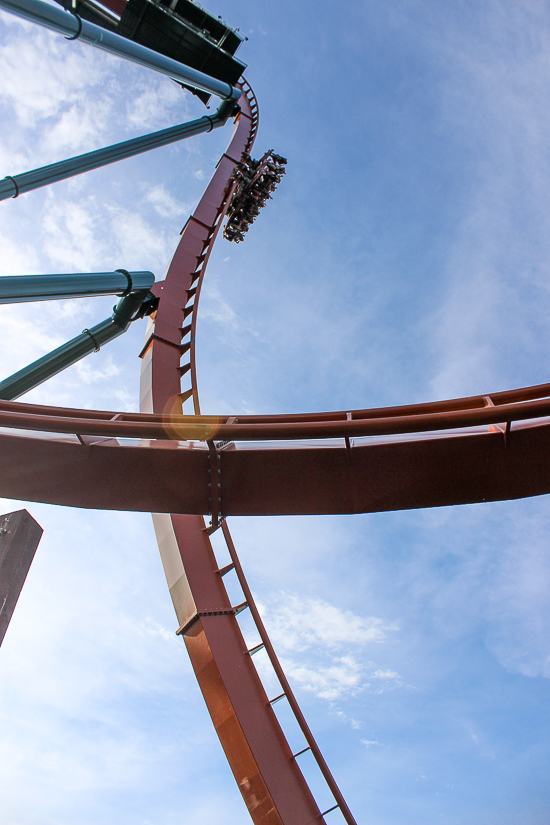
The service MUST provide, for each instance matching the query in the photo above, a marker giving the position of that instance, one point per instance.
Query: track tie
(330, 809)
(223, 570)
(255, 649)
(183, 396)
(294, 755)
(212, 529)
(239, 608)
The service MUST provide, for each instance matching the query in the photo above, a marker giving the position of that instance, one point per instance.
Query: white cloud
(156, 103)
(89, 375)
(313, 638)
(72, 234)
(17, 258)
(298, 624)
(214, 306)
(342, 676)
(165, 204)
(138, 239)
(385, 674)
(77, 129)
(356, 724)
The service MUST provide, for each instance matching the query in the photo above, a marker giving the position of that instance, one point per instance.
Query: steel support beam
(17, 289)
(167, 477)
(73, 27)
(270, 781)
(89, 341)
(272, 785)
(12, 186)
(269, 778)
(19, 538)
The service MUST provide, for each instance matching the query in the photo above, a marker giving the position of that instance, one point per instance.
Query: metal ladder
(286, 690)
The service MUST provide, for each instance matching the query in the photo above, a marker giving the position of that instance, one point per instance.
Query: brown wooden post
(19, 538)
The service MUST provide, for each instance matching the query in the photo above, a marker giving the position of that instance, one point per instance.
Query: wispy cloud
(314, 639)
(299, 623)
(165, 204)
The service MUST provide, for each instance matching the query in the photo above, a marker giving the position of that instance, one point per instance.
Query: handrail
(537, 391)
(274, 428)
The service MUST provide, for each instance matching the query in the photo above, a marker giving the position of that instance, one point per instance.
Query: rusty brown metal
(20, 535)
(171, 425)
(537, 391)
(159, 476)
(269, 779)
(287, 690)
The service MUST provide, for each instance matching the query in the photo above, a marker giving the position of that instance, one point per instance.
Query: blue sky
(403, 258)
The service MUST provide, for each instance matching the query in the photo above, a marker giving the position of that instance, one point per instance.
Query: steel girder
(100, 473)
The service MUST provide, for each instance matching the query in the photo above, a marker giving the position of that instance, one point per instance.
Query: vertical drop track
(266, 770)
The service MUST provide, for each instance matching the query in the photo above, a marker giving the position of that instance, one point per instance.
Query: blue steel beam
(74, 27)
(17, 289)
(126, 311)
(12, 186)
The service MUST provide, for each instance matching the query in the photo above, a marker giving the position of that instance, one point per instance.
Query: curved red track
(452, 452)
(428, 462)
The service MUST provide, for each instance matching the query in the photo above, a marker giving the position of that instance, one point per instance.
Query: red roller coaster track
(182, 468)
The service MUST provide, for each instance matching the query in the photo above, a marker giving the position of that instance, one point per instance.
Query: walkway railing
(524, 404)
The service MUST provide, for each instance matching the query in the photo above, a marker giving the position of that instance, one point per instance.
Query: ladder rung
(183, 396)
(181, 631)
(213, 527)
(254, 650)
(240, 607)
(330, 809)
(294, 755)
(277, 698)
(223, 570)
